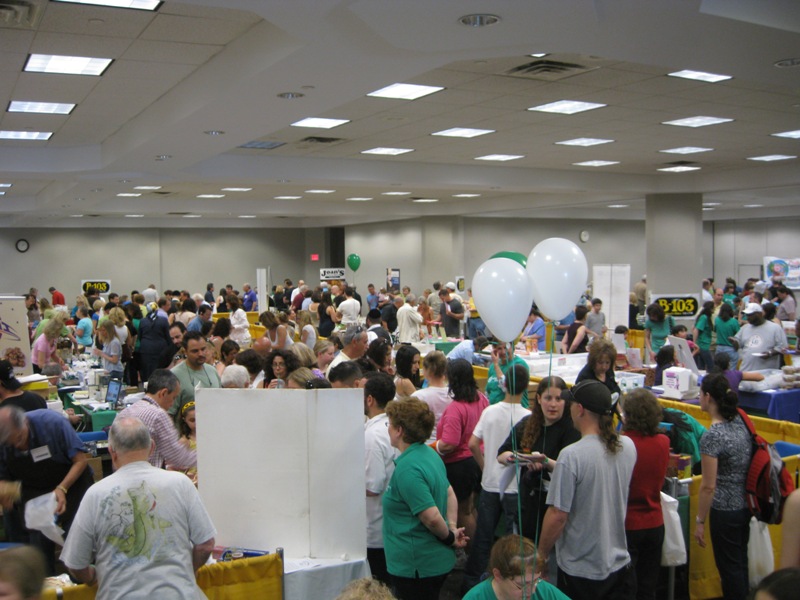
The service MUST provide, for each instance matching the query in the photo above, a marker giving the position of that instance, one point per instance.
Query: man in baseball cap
(588, 499)
(760, 342)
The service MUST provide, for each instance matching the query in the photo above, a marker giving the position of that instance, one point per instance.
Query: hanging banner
(788, 269)
(15, 344)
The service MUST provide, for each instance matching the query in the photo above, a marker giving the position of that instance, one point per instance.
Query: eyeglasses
(528, 585)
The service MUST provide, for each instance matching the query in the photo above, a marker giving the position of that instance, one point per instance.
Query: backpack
(768, 482)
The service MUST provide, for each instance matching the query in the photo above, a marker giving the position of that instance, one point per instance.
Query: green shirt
(494, 391)
(703, 326)
(544, 591)
(659, 332)
(207, 377)
(725, 329)
(419, 482)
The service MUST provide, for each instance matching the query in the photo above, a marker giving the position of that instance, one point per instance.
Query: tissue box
(629, 381)
(677, 381)
(679, 465)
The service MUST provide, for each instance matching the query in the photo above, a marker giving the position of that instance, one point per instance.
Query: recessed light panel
(237, 189)
(247, 216)
(192, 216)
(320, 191)
(697, 121)
(210, 196)
(679, 169)
(686, 150)
(566, 107)
(753, 205)
(618, 205)
(425, 200)
(771, 157)
(147, 187)
(358, 199)
(466, 195)
(67, 65)
(711, 203)
(134, 216)
(500, 157)
(2, 193)
(707, 208)
(538, 55)
(788, 134)
(320, 123)
(25, 135)
(700, 76)
(128, 195)
(136, 4)
(288, 197)
(584, 142)
(388, 151)
(463, 132)
(596, 163)
(46, 108)
(405, 91)
(6, 185)
(396, 194)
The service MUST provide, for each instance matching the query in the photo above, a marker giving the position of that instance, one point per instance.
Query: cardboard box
(679, 465)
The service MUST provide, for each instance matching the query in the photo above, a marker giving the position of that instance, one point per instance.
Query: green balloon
(515, 256)
(354, 261)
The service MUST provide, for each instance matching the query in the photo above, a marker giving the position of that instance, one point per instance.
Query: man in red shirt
(58, 297)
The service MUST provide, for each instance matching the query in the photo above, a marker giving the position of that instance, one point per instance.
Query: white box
(629, 381)
(677, 382)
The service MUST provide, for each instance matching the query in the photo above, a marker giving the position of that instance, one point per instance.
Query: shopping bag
(760, 559)
(673, 550)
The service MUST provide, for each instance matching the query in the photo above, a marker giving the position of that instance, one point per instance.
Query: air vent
(681, 163)
(161, 193)
(261, 145)
(178, 214)
(316, 141)
(547, 70)
(21, 14)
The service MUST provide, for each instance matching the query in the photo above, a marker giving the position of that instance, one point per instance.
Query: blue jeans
(490, 510)
(730, 532)
(732, 354)
(475, 327)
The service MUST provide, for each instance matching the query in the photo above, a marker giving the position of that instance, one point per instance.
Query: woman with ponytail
(726, 452)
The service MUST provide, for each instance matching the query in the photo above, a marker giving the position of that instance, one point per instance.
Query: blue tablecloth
(783, 405)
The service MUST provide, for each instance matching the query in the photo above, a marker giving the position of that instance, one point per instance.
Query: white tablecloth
(321, 578)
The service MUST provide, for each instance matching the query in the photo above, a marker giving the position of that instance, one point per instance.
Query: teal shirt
(419, 482)
(544, 591)
(659, 332)
(703, 326)
(494, 391)
(725, 330)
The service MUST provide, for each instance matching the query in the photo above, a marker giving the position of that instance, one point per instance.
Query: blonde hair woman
(44, 351)
(308, 333)
(112, 349)
(277, 334)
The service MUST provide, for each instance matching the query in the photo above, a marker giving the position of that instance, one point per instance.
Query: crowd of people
(446, 461)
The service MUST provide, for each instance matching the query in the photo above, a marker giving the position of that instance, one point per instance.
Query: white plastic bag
(760, 559)
(40, 514)
(673, 551)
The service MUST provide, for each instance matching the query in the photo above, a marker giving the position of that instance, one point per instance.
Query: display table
(782, 405)
(320, 578)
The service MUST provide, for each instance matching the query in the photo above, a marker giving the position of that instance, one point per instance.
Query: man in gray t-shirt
(588, 498)
(760, 342)
(596, 320)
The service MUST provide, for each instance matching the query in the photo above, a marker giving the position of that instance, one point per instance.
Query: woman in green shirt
(419, 507)
(511, 565)
(726, 327)
(703, 328)
(656, 329)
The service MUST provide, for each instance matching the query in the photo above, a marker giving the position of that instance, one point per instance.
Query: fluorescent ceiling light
(425, 200)
(247, 216)
(712, 203)
(584, 142)
(700, 76)
(707, 209)
(566, 107)
(67, 65)
(47, 108)
(686, 150)
(320, 123)
(134, 216)
(405, 91)
(2, 193)
(25, 135)
(192, 216)
(136, 4)
(789, 134)
(237, 189)
(539, 55)
(753, 205)
(388, 151)
(771, 157)
(697, 121)
(147, 187)
(596, 163)
(128, 195)
(466, 195)
(76, 216)
(463, 132)
(6, 185)
(288, 197)
(679, 169)
(395, 193)
(320, 191)
(500, 157)
(357, 199)
(618, 205)
(210, 196)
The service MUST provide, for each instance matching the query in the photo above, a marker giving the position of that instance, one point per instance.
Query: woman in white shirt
(240, 326)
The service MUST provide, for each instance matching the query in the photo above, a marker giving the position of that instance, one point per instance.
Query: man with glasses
(355, 346)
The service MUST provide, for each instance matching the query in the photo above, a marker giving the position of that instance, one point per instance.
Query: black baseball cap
(7, 377)
(592, 395)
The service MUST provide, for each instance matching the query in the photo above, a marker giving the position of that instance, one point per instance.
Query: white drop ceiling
(211, 65)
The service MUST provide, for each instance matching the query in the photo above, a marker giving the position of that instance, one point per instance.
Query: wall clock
(22, 245)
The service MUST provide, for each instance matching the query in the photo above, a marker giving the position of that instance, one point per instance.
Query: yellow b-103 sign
(679, 306)
(101, 286)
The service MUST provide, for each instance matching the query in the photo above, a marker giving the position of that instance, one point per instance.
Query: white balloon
(501, 288)
(559, 273)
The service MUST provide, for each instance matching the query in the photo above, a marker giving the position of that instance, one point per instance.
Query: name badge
(41, 453)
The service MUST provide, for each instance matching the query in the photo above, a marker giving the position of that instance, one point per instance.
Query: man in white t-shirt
(142, 532)
(378, 392)
(409, 322)
(350, 308)
(493, 428)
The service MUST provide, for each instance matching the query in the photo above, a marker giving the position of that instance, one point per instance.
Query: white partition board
(611, 283)
(284, 468)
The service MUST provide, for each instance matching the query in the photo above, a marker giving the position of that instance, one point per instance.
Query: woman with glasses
(511, 565)
(277, 366)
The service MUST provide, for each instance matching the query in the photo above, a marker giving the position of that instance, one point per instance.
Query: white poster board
(15, 341)
(284, 468)
(611, 283)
